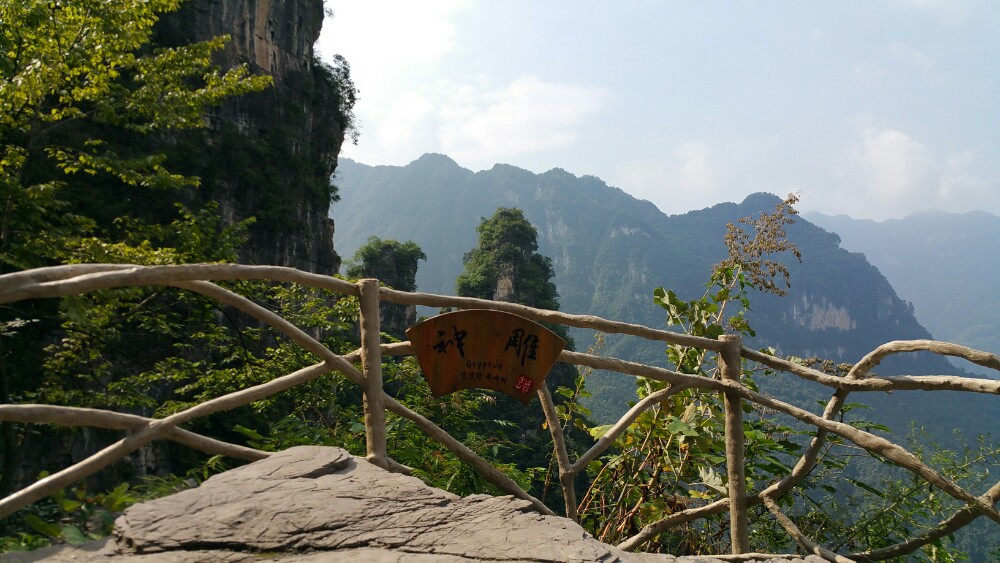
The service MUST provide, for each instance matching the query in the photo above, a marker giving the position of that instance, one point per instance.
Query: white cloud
(697, 169)
(394, 45)
(393, 32)
(961, 187)
(948, 10)
(817, 35)
(891, 174)
(408, 127)
(528, 115)
(912, 56)
(382, 39)
(923, 4)
(690, 179)
(866, 73)
(478, 125)
(894, 165)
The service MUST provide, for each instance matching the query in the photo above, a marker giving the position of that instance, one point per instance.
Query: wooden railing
(75, 279)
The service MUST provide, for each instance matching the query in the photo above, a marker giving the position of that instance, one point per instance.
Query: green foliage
(83, 516)
(506, 265)
(394, 263)
(77, 516)
(85, 99)
(70, 516)
(80, 93)
(465, 415)
(888, 505)
(673, 456)
(338, 75)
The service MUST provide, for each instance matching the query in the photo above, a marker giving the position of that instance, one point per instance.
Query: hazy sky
(875, 109)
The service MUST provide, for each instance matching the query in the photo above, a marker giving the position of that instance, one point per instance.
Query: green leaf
(678, 426)
(714, 331)
(73, 534)
(597, 431)
(42, 527)
(713, 480)
(867, 487)
(69, 505)
(248, 432)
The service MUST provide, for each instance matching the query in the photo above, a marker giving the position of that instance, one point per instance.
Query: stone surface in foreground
(322, 504)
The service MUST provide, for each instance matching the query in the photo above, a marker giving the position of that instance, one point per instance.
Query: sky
(875, 109)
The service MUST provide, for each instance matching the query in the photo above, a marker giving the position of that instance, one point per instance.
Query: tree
(506, 266)
(394, 264)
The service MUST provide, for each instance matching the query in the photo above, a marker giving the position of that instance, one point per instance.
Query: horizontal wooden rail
(553, 317)
(98, 418)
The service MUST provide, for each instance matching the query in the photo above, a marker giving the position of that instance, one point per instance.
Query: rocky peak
(275, 36)
(272, 153)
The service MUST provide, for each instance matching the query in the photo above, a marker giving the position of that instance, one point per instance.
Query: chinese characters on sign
(486, 349)
(477, 371)
(526, 345)
(459, 336)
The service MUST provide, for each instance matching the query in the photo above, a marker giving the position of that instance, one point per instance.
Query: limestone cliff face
(271, 154)
(820, 314)
(275, 36)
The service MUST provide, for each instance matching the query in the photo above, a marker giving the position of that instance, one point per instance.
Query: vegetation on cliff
(505, 265)
(394, 264)
(80, 109)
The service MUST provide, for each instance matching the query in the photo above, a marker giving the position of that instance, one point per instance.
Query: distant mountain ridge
(945, 263)
(610, 250)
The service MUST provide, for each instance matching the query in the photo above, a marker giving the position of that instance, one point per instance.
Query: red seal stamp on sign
(524, 384)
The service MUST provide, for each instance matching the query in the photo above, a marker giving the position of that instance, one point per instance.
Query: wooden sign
(485, 349)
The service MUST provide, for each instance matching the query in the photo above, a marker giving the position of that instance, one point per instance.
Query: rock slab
(322, 504)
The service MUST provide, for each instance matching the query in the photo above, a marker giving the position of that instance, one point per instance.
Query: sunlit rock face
(270, 154)
(275, 36)
(821, 314)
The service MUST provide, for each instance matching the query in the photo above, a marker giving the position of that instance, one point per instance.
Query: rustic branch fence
(69, 280)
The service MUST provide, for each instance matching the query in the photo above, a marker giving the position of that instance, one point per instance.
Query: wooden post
(730, 366)
(371, 365)
(566, 476)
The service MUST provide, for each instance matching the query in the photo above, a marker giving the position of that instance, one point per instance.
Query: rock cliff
(270, 155)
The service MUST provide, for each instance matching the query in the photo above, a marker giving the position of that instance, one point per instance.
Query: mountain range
(609, 251)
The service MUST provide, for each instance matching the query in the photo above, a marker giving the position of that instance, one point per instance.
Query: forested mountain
(610, 250)
(944, 263)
